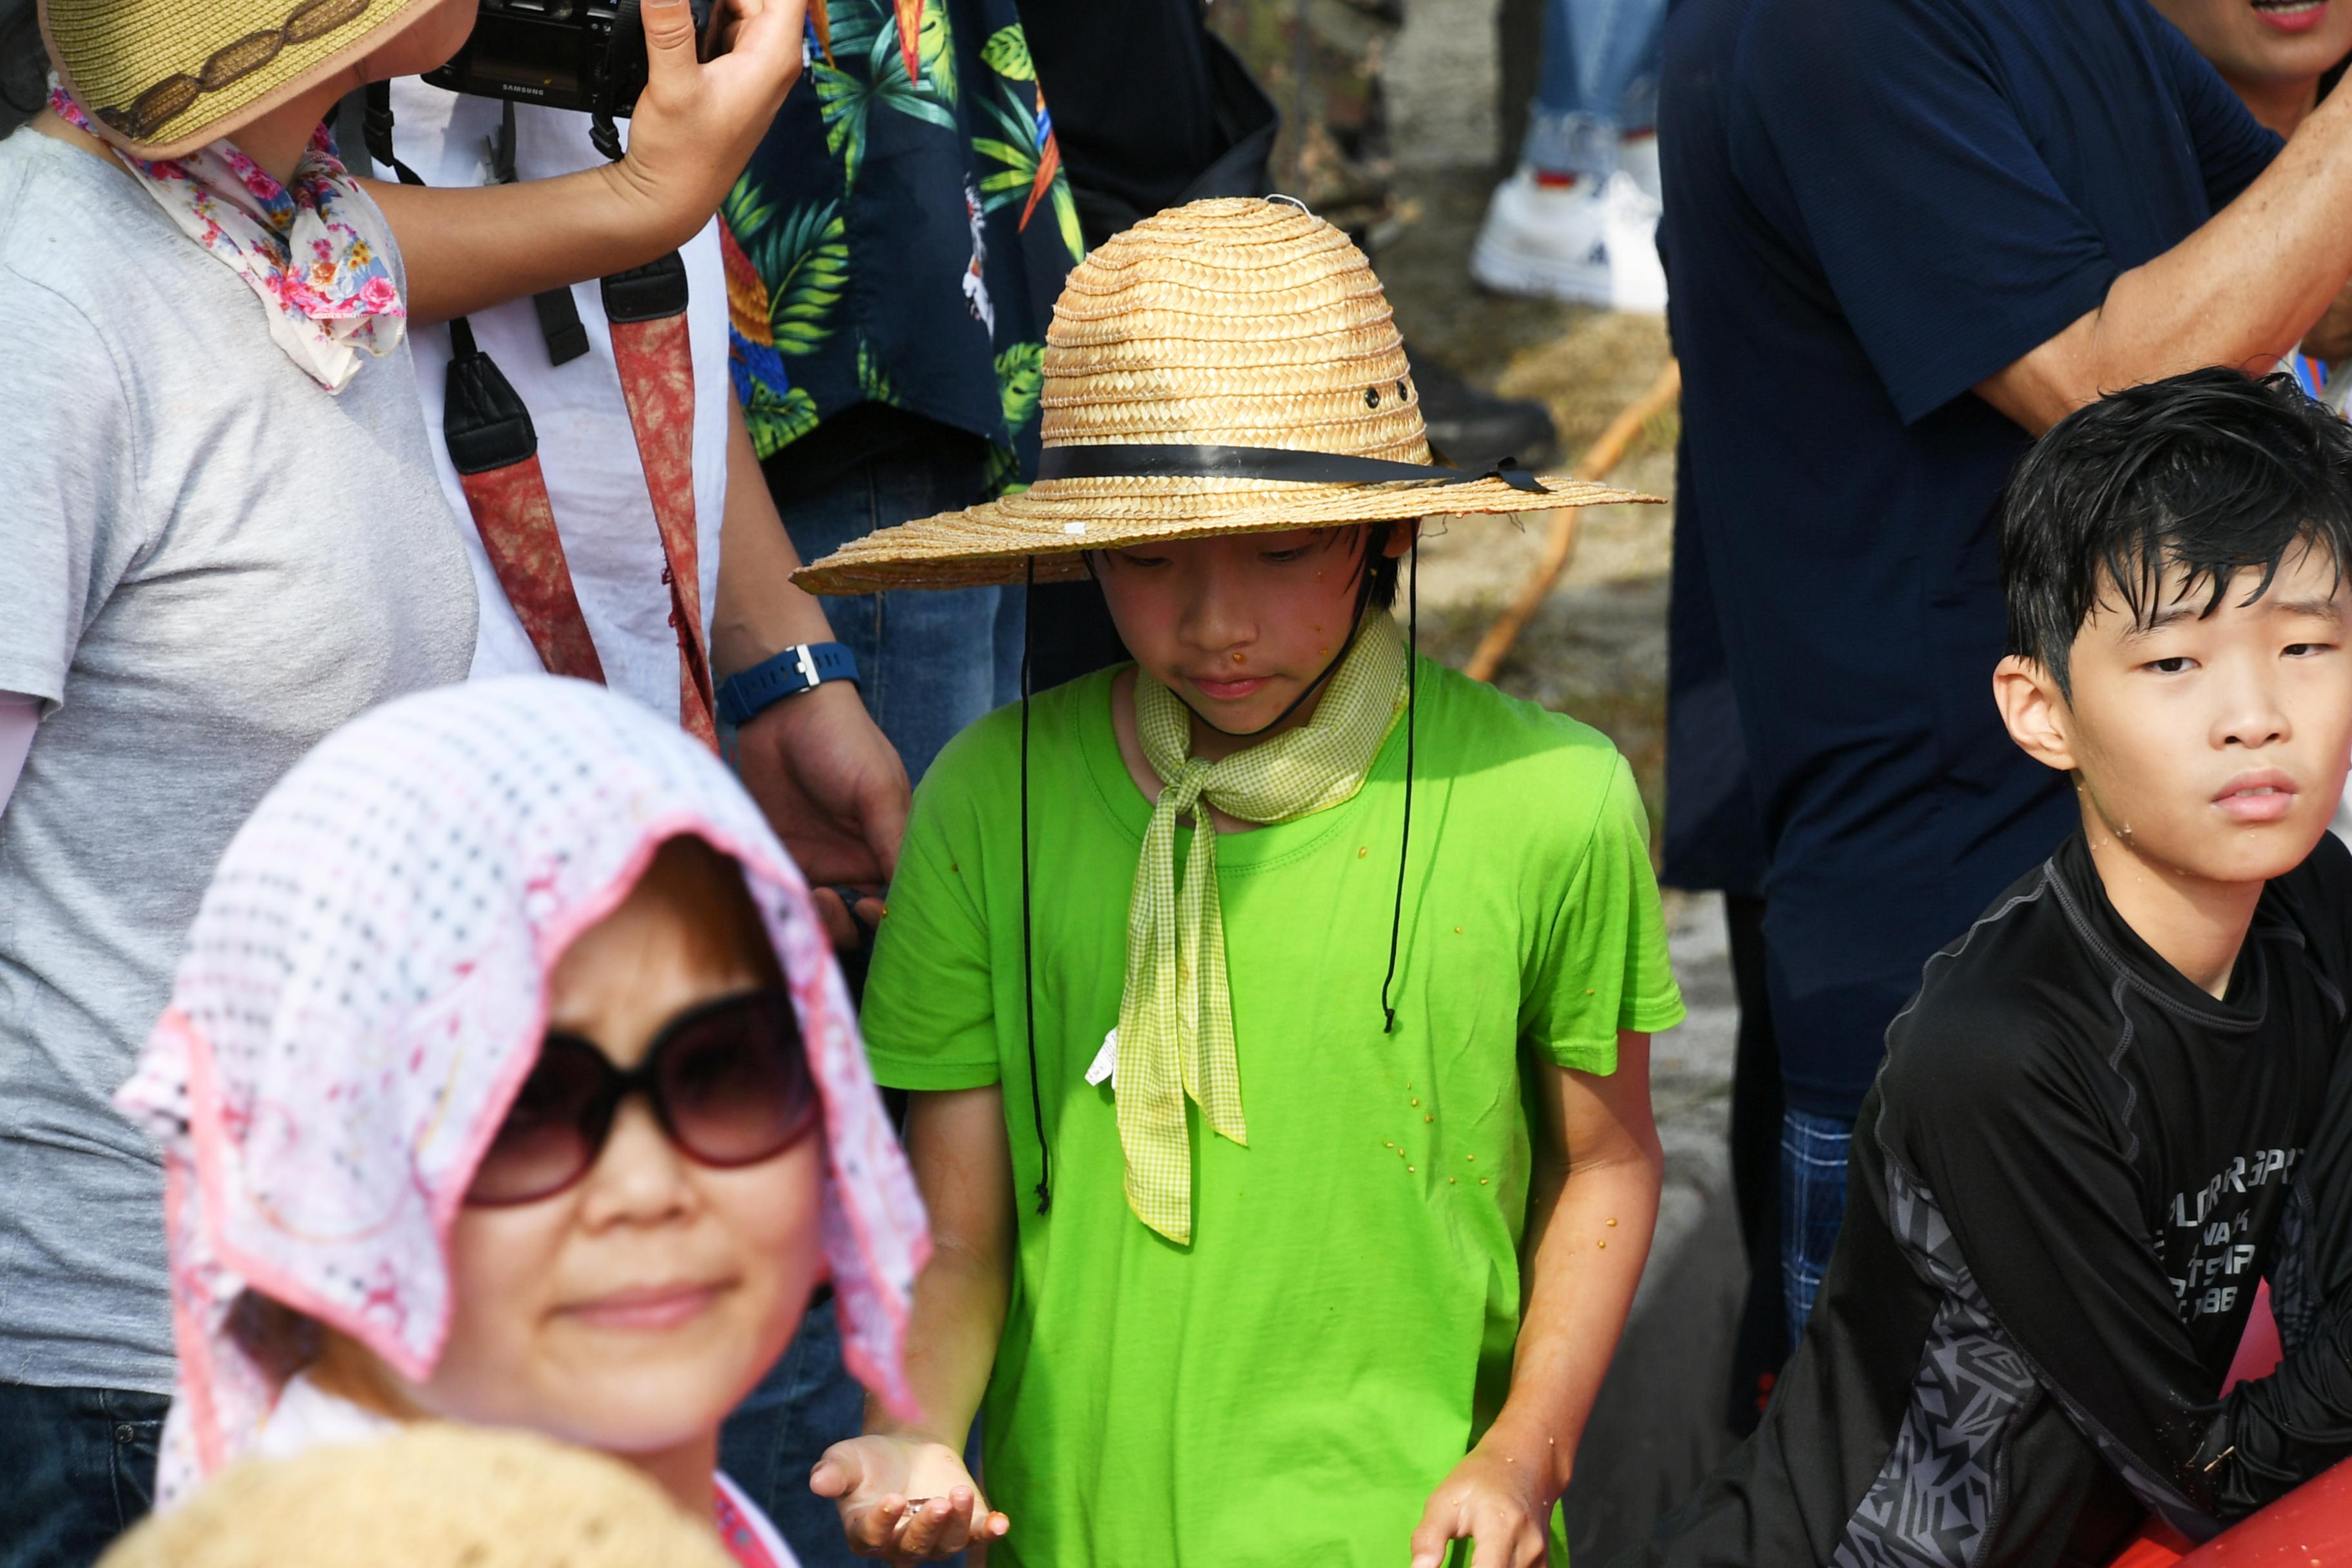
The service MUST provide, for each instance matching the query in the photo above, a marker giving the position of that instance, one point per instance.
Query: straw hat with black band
(163, 78)
(1224, 367)
(1229, 366)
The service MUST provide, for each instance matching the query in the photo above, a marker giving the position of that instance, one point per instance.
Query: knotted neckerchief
(1176, 1016)
(313, 251)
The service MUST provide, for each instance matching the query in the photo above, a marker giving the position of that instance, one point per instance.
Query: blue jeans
(77, 1469)
(1599, 79)
(1813, 1150)
(930, 660)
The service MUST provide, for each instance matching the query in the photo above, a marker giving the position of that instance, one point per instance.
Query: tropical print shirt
(903, 230)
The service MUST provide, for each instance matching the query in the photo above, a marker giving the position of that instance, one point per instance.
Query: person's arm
(1878, 141)
(2277, 1432)
(830, 783)
(693, 130)
(902, 1489)
(2242, 290)
(1591, 1207)
(19, 716)
(1980, 1118)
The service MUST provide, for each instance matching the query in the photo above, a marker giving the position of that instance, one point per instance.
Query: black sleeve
(2019, 1153)
(2280, 1431)
(1950, 247)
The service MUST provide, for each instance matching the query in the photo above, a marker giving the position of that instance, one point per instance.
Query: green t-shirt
(1291, 1386)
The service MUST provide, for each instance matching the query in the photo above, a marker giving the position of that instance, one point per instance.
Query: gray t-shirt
(207, 563)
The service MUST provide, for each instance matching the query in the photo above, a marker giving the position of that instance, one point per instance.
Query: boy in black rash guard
(2087, 1141)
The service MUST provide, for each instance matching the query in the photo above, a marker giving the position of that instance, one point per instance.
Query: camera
(588, 55)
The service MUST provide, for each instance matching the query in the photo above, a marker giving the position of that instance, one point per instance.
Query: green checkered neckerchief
(1176, 1016)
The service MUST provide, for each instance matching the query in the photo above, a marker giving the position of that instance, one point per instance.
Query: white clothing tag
(1105, 1061)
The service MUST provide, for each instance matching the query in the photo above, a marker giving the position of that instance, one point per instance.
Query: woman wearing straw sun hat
(1234, 1142)
(227, 539)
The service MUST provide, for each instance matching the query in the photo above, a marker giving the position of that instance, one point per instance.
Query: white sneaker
(1595, 245)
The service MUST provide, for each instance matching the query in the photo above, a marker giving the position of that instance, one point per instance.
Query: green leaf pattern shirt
(903, 230)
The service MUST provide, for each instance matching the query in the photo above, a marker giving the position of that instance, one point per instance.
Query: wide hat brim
(1228, 366)
(1042, 533)
(163, 77)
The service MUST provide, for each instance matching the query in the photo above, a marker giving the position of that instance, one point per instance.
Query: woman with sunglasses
(509, 1080)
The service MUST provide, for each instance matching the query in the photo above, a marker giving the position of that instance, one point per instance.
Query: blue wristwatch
(803, 666)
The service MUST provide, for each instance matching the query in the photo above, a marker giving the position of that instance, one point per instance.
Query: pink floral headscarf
(364, 991)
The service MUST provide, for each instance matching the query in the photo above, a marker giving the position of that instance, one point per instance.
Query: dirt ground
(1597, 648)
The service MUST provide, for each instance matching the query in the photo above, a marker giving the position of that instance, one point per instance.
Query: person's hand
(696, 122)
(835, 792)
(905, 1499)
(1502, 1505)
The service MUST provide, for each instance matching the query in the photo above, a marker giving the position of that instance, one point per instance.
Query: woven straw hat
(163, 78)
(431, 1494)
(1180, 353)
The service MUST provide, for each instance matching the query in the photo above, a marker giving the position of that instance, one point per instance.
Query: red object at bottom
(2309, 1528)
(2157, 1547)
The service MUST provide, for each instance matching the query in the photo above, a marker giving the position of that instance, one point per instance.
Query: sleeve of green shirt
(929, 1016)
(1603, 966)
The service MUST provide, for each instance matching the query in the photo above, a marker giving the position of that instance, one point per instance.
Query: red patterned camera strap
(517, 522)
(651, 345)
(495, 448)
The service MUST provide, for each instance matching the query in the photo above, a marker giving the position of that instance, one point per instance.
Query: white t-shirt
(587, 448)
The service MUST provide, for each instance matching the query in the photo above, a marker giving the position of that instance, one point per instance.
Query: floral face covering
(314, 251)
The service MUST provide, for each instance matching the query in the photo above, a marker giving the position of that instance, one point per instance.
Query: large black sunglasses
(727, 1080)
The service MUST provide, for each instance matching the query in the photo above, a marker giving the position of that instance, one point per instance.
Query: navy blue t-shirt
(1871, 206)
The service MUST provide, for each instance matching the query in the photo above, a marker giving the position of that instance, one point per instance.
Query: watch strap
(803, 666)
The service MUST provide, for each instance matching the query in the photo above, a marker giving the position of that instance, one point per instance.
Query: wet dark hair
(2212, 472)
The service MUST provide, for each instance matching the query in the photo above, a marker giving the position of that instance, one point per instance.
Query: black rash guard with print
(2072, 1171)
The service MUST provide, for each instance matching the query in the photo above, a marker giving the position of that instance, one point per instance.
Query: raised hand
(696, 121)
(905, 1499)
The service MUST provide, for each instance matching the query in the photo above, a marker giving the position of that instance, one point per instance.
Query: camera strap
(494, 447)
(558, 316)
(652, 346)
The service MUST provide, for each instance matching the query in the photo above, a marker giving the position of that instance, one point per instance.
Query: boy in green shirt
(1290, 1183)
